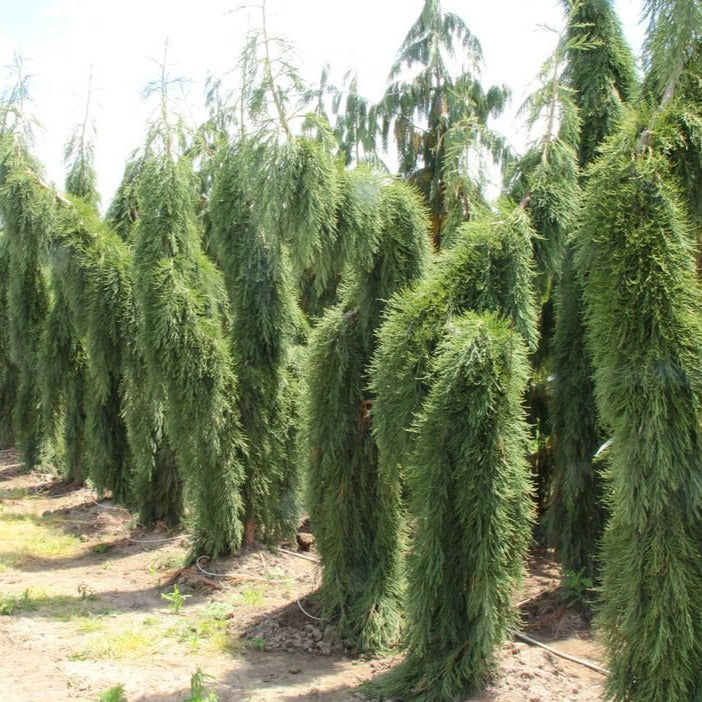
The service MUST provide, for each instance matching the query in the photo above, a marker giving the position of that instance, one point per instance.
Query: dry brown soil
(81, 610)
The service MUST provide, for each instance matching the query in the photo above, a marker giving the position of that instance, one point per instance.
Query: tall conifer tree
(181, 303)
(644, 333)
(424, 99)
(600, 75)
(63, 361)
(93, 268)
(256, 269)
(469, 486)
(27, 212)
(354, 512)
(449, 389)
(646, 339)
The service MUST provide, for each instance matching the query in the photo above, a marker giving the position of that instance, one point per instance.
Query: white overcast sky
(62, 39)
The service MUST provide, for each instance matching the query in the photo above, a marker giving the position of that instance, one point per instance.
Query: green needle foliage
(256, 269)
(306, 195)
(672, 43)
(488, 269)
(63, 363)
(424, 99)
(181, 312)
(8, 372)
(600, 74)
(123, 211)
(93, 267)
(645, 335)
(354, 513)
(157, 483)
(27, 211)
(469, 483)
(577, 514)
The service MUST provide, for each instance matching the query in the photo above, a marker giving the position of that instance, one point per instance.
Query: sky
(120, 43)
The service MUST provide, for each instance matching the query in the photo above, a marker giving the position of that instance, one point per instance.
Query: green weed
(176, 599)
(198, 692)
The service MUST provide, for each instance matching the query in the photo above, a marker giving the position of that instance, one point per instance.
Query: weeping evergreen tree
(181, 312)
(8, 372)
(256, 269)
(123, 210)
(449, 425)
(584, 86)
(488, 269)
(545, 183)
(645, 337)
(353, 511)
(27, 213)
(644, 333)
(63, 362)
(93, 268)
(469, 485)
(420, 110)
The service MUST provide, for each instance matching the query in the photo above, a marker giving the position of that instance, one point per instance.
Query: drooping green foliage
(181, 312)
(600, 75)
(123, 211)
(672, 42)
(576, 515)
(63, 364)
(488, 269)
(27, 212)
(422, 108)
(678, 132)
(645, 336)
(79, 155)
(157, 482)
(8, 372)
(469, 486)
(356, 126)
(354, 513)
(306, 196)
(256, 268)
(93, 267)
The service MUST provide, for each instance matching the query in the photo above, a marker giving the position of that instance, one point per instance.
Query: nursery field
(88, 601)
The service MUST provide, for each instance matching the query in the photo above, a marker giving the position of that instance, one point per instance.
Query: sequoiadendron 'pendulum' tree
(353, 511)
(636, 253)
(27, 213)
(469, 492)
(601, 79)
(181, 303)
(449, 425)
(254, 261)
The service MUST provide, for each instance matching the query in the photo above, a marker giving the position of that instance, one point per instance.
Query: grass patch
(89, 623)
(13, 604)
(13, 493)
(166, 561)
(65, 608)
(206, 630)
(118, 645)
(26, 537)
(250, 597)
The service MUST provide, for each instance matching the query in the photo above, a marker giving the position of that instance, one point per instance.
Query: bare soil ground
(81, 610)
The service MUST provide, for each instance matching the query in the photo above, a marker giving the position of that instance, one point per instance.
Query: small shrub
(114, 694)
(175, 598)
(198, 692)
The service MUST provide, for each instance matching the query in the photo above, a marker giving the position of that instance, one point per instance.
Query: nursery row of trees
(266, 321)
